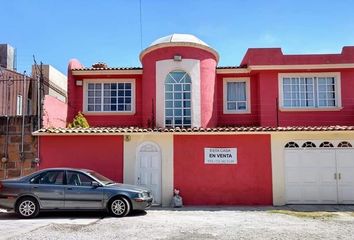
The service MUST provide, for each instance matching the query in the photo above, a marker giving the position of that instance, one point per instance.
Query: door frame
(137, 154)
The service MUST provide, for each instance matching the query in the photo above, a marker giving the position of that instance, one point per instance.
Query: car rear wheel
(27, 207)
(119, 207)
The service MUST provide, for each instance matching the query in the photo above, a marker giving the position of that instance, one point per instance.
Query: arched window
(326, 145)
(308, 145)
(178, 99)
(291, 145)
(344, 144)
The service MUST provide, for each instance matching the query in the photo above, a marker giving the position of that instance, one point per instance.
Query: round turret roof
(178, 39)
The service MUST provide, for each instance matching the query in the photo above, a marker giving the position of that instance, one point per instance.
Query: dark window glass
(78, 179)
(50, 177)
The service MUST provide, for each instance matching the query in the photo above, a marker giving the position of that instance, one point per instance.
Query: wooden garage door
(319, 175)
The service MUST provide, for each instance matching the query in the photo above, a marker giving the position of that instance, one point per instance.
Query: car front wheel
(27, 207)
(119, 207)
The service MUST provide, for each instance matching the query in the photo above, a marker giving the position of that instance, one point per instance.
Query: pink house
(275, 130)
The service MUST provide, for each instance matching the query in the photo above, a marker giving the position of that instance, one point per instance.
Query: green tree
(79, 121)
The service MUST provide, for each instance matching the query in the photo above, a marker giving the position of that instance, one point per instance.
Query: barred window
(291, 145)
(326, 145)
(345, 144)
(308, 145)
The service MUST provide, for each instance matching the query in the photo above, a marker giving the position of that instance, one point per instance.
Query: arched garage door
(319, 174)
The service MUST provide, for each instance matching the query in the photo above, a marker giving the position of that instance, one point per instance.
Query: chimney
(7, 57)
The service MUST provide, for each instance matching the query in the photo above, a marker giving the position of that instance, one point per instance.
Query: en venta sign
(220, 155)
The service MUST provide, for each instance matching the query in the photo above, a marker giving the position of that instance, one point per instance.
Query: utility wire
(141, 27)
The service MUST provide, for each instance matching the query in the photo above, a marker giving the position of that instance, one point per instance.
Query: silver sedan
(71, 189)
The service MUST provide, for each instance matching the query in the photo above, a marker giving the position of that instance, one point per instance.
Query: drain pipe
(37, 160)
(23, 122)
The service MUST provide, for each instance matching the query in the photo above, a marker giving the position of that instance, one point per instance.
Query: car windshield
(101, 178)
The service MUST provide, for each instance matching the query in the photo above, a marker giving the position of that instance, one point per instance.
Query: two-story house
(275, 130)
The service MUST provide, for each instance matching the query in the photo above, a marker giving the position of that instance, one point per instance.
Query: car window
(50, 177)
(78, 179)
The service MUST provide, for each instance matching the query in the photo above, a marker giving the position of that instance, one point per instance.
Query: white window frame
(338, 97)
(115, 80)
(173, 101)
(247, 80)
(19, 105)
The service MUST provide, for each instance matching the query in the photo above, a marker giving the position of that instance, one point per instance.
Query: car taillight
(0, 185)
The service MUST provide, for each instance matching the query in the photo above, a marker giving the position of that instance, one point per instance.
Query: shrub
(79, 121)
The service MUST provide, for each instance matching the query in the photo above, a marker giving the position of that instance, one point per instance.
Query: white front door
(149, 170)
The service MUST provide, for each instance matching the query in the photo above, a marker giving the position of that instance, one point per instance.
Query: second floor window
(309, 91)
(178, 99)
(109, 97)
(236, 95)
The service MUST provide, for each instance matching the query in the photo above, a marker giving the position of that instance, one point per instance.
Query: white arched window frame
(178, 103)
(192, 67)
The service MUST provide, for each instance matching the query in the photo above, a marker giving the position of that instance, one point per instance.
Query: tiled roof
(229, 67)
(125, 130)
(139, 68)
(108, 68)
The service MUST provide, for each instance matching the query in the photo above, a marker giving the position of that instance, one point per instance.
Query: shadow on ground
(68, 215)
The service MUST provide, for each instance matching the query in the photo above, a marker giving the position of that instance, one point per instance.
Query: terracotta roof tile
(229, 67)
(107, 68)
(124, 130)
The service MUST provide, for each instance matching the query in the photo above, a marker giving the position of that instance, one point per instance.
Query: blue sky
(109, 30)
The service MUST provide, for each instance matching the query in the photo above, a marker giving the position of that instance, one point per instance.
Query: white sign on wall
(220, 155)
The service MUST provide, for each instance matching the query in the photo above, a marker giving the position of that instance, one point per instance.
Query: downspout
(23, 123)
(6, 147)
(38, 119)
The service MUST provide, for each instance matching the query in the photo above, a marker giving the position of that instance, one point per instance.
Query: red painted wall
(248, 119)
(107, 120)
(207, 75)
(268, 111)
(249, 182)
(73, 95)
(103, 154)
(264, 90)
(54, 112)
(275, 56)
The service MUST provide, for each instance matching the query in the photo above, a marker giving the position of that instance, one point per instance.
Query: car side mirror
(95, 184)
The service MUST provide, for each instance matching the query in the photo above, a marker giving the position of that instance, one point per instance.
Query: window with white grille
(178, 99)
(309, 90)
(110, 97)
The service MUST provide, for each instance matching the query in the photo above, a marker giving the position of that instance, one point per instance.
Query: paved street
(327, 222)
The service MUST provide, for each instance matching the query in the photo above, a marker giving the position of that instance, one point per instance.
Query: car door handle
(69, 188)
(34, 187)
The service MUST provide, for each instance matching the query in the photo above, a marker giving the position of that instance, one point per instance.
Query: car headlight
(144, 195)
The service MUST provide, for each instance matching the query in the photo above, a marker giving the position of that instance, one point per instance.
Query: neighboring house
(275, 130)
(26, 104)
(55, 82)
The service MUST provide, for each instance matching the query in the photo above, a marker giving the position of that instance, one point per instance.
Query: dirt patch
(313, 215)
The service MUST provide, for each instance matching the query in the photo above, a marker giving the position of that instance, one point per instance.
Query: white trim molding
(106, 72)
(338, 98)
(111, 80)
(247, 80)
(190, 66)
(301, 66)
